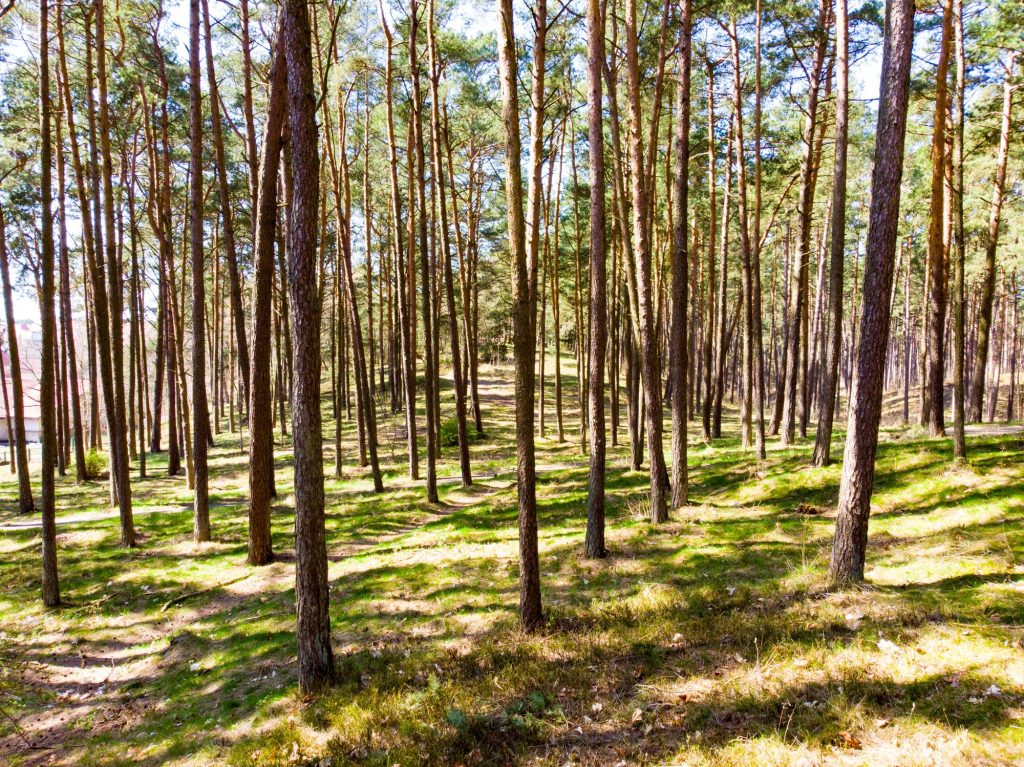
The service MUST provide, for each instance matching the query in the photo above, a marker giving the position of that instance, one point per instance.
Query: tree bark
(446, 255)
(313, 634)
(650, 367)
(959, 246)
(834, 339)
(430, 376)
(678, 357)
(116, 405)
(48, 426)
(405, 322)
(227, 218)
(20, 458)
(710, 335)
(991, 244)
(850, 542)
(936, 240)
(201, 500)
(798, 290)
(261, 429)
(594, 544)
(524, 286)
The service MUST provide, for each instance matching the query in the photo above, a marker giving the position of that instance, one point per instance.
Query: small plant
(449, 435)
(95, 463)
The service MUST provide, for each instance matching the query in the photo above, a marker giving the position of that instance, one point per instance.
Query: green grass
(713, 639)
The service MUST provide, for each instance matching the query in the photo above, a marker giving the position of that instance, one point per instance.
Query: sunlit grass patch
(714, 639)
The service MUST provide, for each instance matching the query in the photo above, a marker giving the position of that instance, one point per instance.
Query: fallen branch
(17, 727)
(181, 598)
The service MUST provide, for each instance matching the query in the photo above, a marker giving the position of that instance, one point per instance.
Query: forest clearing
(579, 383)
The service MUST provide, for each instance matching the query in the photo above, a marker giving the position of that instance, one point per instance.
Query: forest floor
(711, 640)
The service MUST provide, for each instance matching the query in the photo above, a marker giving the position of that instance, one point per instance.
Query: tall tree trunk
(721, 344)
(261, 429)
(25, 503)
(65, 309)
(594, 545)
(805, 211)
(446, 255)
(678, 358)
(991, 244)
(201, 502)
(113, 343)
(430, 376)
(850, 543)
(710, 326)
(959, 246)
(651, 369)
(524, 285)
(48, 426)
(227, 219)
(362, 375)
(755, 407)
(405, 322)
(315, 658)
(936, 240)
(757, 330)
(834, 339)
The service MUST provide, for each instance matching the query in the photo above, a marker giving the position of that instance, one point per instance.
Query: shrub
(449, 433)
(95, 463)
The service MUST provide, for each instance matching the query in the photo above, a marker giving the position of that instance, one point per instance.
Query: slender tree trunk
(405, 321)
(850, 543)
(936, 241)
(721, 347)
(227, 218)
(959, 246)
(754, 408)
(362, 375)
(430, 375)
(446, 255)
(710, 326)
(25, 503)
(594, 545)
(116, 405)
(48, 426)
(991, 245)
(834, 339)
(524, 286)
(678, 358)
(201, 503)
(798, 290)
(261, 430)
(651, 369)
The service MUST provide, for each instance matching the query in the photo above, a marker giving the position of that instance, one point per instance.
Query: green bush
(95, 463)
(450, 433)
